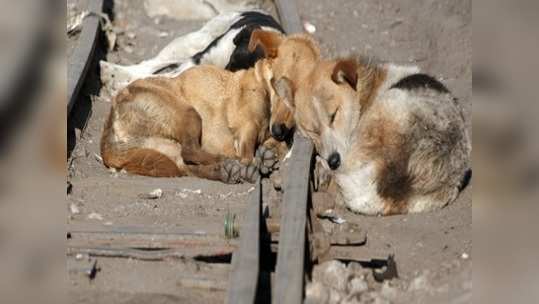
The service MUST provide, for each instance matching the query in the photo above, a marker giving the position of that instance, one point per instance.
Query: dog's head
(328, 105)
(291, 57)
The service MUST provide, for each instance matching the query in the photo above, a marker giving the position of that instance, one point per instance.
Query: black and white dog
(223, 42)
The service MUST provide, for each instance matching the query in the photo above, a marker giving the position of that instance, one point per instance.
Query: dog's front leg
(247, 140)
(279, 148)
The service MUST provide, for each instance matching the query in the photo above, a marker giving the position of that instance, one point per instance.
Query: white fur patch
(179, 50)
(219, 55)
(423, 204)
(358, 189)
(120, 134)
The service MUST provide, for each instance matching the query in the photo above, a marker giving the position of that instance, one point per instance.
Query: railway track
(269, 261)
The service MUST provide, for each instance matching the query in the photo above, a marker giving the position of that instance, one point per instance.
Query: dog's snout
(334, 161)
(279, 131)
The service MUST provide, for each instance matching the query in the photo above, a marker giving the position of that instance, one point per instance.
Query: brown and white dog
(395, 138)
(207, 122)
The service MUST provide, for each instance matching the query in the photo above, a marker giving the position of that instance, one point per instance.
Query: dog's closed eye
(332, 117)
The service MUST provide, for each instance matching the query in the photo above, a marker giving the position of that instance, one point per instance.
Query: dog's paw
(231, 171)
(234, 172)
(266, 159)
(322, 175)
(250, 173)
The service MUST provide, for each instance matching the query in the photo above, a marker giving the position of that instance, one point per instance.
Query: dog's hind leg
(158, 157)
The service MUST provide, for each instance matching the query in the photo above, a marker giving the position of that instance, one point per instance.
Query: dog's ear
(244, 36)
(345, 71)
(283, 88)
(268, 41)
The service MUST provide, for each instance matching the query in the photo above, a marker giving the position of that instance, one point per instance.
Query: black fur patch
(420, 81)
(241, 58)
(198, 56)
(466, 179)
(393, 181)
(257, 18)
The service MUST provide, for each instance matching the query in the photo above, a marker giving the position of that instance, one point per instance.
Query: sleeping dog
(394, 138)
(207, 122)
(222, 42)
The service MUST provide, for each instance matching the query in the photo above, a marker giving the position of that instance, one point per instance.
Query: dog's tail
(136, 158)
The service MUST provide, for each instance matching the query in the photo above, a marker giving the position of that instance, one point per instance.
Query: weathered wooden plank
(288, 11)
(85, 228)
(153, 241)
(148, 255)
(289, 280)
(81, 57)
(243, 281)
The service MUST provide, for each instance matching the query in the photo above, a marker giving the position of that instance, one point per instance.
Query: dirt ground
(429, 248)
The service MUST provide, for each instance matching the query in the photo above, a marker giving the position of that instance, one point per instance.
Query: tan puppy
(293, 57)
(395, 139)
(195, 124)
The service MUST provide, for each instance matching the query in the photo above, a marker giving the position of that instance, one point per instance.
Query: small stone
(74, 208)
(182, 195)
(95, 216)
(163, 34)
(331, 274)
(155, 194)
(98, 157)
(465, 256)
(316, 292)
(309, 27)
(131, 35)
(338, 220)
(395, 24)
(357, 285)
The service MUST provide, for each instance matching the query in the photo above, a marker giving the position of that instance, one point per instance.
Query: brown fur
(384, 144)
(187, 125)
(363, 75)
(293, 58)
(346, 70)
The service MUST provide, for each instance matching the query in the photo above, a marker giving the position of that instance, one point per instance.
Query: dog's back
(222, 42)
(230, 50)
(424, 147)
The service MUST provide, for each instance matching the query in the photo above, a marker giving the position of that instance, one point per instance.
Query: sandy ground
(436, 35)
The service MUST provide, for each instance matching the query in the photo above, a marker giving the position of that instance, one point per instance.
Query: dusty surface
(437, 36)
(74, 7)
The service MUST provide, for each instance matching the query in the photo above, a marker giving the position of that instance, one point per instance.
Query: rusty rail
(81, 58)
